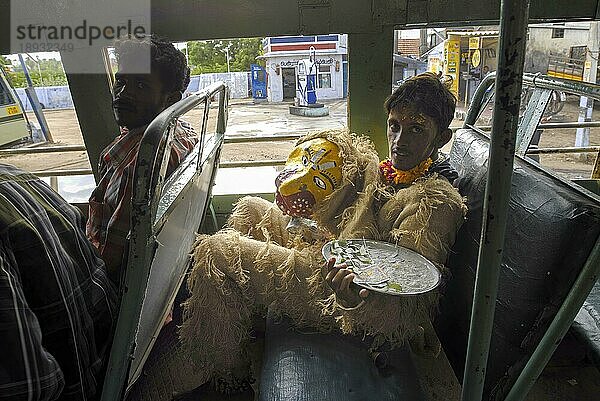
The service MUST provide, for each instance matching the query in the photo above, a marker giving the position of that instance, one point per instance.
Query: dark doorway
(288, 76)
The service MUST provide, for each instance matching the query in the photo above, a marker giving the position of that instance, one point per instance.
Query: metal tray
(384, 267)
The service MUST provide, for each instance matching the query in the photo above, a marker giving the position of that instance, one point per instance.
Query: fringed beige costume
(240, 271)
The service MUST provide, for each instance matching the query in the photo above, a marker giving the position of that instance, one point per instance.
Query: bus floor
(567, 377)
(206, 393)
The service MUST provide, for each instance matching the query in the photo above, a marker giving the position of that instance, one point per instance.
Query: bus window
(13, 126)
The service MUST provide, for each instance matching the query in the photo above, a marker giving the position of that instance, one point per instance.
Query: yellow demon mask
(312, 172)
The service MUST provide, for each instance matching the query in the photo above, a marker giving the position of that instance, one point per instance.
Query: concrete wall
(541, 44)
(59, 97)
(51, 97)
(237, 81)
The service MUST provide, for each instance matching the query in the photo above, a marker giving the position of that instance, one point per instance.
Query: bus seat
(166, 214)
(182, 207)
(312, 366)
(551, 228)
(586, 327)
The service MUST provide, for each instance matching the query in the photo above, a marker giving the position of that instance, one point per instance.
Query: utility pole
(227, 54)
(37, 63)
(586, 105)
(35, 103)
(423, 46)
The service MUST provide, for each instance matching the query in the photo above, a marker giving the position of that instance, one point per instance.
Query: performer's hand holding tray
(383, 267)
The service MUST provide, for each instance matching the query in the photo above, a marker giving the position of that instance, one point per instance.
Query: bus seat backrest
(190, 191)
(551, 228)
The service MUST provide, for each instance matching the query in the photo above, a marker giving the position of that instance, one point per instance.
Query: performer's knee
(247, 213)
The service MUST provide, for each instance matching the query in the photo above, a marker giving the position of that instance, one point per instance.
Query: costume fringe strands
(240, 271)
(235, 277)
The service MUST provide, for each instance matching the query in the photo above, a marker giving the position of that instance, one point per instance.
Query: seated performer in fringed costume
(334, 178)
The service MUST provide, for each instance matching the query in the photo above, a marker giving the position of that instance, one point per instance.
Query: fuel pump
(306, 77)
(306, 89)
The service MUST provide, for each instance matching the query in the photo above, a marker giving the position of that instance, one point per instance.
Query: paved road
(249, 119)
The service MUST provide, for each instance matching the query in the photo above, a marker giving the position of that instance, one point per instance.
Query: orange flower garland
(395, 176)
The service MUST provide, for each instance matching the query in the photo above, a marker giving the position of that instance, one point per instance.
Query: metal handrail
(545, 151)
(267, 138)
(49, 149)
(487, 272)
(223, 164)
(571, 124)
(253, 163)
(150, 169)
(87, 171)
(82, 148)
(564, 85)
(479, 97)
(63, 173)
(534, 80)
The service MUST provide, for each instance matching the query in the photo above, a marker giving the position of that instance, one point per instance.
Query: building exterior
(282, 53)
(435, 58)
(468, 57)
(409, 47)
(558, 46)
(416, 42)
(406, 67)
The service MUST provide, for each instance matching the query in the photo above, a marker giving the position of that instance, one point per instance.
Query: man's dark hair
(426, 93)
(165, 58)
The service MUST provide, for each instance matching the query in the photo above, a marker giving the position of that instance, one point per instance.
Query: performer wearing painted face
(313, 171)
(334, 178)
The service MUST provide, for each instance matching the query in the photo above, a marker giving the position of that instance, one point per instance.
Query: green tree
(207, 56)
(244, 52)
(14, 79)
(42, 73)
(211, 55)
(4, 60)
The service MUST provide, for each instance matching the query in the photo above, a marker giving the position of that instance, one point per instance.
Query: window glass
(324, 77)
(558, 33)
(562, 107)
(484, 118)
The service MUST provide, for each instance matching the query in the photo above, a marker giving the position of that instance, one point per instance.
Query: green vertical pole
(93, 104)
(513, 34)
(370, 63)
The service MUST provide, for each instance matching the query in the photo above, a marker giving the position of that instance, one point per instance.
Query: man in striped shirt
(137, 100)
(57, 306)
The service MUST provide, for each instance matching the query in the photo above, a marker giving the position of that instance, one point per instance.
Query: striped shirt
(110, 204)
(57, 306)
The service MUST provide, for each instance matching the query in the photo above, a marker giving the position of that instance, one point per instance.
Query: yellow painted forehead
(409, 114)
(418, 118)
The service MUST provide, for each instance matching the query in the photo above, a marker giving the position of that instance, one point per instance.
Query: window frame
(321, 74)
